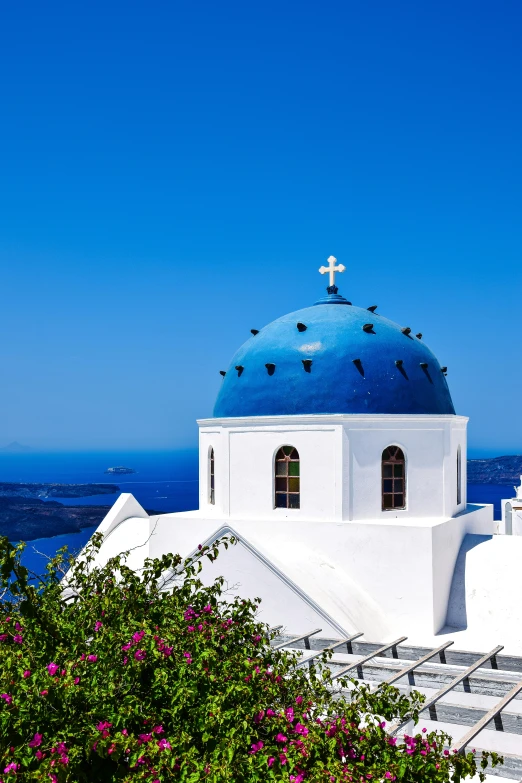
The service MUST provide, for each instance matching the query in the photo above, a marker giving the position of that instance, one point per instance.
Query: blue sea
(164, 481)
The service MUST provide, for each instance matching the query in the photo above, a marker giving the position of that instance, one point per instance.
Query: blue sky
(172, 174)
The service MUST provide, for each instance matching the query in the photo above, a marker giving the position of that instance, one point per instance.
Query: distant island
(23, 519)
(26, 513)
(119, 469)
(15, 448)
(55, 490)
(495, 470)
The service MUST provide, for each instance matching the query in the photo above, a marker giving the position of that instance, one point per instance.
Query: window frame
(393, 460)
(284, 479)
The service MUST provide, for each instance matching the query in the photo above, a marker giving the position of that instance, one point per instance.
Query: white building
(336, 458)
(511, 523)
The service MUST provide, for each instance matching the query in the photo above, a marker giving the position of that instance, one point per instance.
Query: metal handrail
(368, 657)
(488, 717)
(417, 663)
(449, 687)
(290, 642)
(330, 647)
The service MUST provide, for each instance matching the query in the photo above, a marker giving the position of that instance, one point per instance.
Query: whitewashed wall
(516, 517)
(340, 465)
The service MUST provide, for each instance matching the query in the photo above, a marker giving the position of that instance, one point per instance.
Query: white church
(337, 460)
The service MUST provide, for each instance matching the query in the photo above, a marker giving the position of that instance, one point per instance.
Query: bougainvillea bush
(116, 678)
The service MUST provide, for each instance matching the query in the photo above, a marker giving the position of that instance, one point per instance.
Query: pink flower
(52, 668)
(12, 767)
(388, 776)
(256, 747)
(102, 725)
(26, 674)
(98, 625)
(145, 737)
(138, 636)
(17, 639)
(124, 732)
(280, 738)
(7, 698)
(140, 655)
(299, 700)
(4, 637)
(270, 761)
(158, 729)
(44, 693)
(39, 755)
(282, 758)
(190, 628)
(163, 744)
(207, 609)
(76, 680)
(289, 712)
(36, 741)
(300, 729)
(92, 658)
(127, 646)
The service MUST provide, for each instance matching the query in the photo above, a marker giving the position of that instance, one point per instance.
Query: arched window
(393, 478)
(508, 518)
(211, 494)
(459, 477)
(287, 482)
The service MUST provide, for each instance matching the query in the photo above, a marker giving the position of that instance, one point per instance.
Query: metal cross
(332, 269)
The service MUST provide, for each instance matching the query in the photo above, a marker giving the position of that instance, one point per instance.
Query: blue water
(165, 481)
(490, 493)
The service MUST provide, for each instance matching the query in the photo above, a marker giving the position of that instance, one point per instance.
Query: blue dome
(333, 358)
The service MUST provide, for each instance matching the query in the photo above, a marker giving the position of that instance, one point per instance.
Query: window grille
(212, 496)
(287, 480)
(393, 479)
